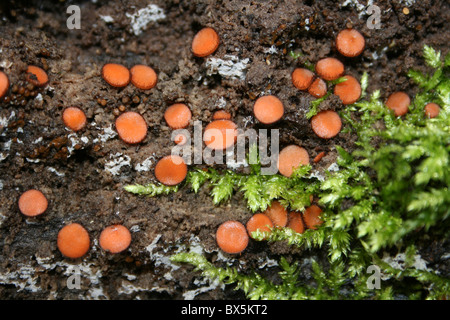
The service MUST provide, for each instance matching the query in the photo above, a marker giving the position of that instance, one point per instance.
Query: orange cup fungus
(232, 237)
(302, 78)
(326, 124)
(74, 118)
(178, 116)
(32, 203)
(349, 90)
(277, 214)
(4, 84)
(350, 43)
(73, 241)
(399, 103)
(290, 158)
(432, 110)
(37, 76)
(143, 77)
(221, 115)
(131, 127)
(205, 42)
(116, 75)
(115, 238)
(259, 222)
(312, 216)
(295, 222)
(171, 170)
(220, 134)
(318, 88)
(268, 109)
(329, 68)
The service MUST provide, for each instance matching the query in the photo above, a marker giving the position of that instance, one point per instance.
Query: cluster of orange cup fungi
(232, 236)
(131, 126)
(399, 103)
(73, 240)
(327, 124)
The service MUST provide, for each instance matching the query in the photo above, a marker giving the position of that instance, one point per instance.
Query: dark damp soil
(83, 174)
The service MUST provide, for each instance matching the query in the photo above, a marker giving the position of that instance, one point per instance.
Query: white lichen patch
(231, 67)
(38, 140)
(75, 140)
(3, 156)
(233, 163)
(5, 147)
(108, 133)
(32, 160)
(222, 258)
(5, 120)
(247, 120)
(399, 262)
(135, 228)
(408, 3)
(141, 18)
(352, 3)
(24, 278)
(118, 160)
(145, 165)
(221, 103)
(445, 256)
(2, 216)
(163, 260)
(333, 167)
(205, 286)
(359, 6)
(317, 175)
(195, 246)
(130, 288)
(59, 174)
(272, 50)
(158, 258)
(267, 263)
(107, 19)
(6, 64)
(84, 270)
(307, 24)
(377, 55)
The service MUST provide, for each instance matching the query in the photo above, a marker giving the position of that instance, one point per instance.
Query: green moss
(258, 190)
